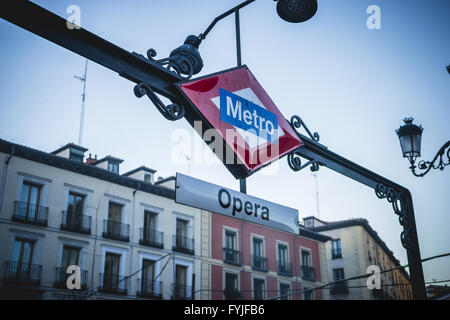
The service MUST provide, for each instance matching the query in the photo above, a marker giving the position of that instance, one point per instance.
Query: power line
(355, 277)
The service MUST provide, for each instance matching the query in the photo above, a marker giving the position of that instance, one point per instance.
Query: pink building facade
(255, 261)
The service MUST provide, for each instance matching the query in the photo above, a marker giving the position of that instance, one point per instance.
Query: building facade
(125, 232)
(354, 247)
(263, 260)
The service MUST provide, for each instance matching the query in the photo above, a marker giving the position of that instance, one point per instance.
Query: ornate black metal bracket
(400, 204)
(294, 158)
(170, 112)
(427, 165)
(297, 123)
(295, 162)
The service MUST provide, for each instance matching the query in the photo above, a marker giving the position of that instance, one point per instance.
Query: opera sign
(249, 125)
(211, 197)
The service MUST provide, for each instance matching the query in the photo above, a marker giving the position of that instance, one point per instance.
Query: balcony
(76, 223)
(336, 254)
(115, 230)
(181, 292)
(22, 273)
(62, 276)
(231, 256)
(113, 283)
(150, 289)
(232, 294)
(308, 273)
(30, 213)
(183, 244)
(259, 263)
(151, 238)
(285, 269)
(339, 288)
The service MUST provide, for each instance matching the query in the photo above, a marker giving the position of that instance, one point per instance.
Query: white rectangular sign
(211, 197)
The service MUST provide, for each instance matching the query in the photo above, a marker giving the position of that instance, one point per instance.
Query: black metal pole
(242, 182)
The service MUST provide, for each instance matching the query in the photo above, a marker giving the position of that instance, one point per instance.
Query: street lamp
(410, 136)
(186, 59)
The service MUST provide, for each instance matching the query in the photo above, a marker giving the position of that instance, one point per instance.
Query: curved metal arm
(171, 112)
(297, 123)
(427, 165)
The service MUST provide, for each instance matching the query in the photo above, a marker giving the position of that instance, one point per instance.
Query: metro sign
(250, 125)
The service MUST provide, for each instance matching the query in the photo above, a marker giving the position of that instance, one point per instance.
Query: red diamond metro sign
(252, 131)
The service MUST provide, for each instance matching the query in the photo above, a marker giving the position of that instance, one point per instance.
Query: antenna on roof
(83, 103)
(317, 194)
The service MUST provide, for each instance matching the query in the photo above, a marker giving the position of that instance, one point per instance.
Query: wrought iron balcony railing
(62, 276)
(284, 268)
(232, 294)
(308, 273)
(231, 256)
(339, 287)
(113, 283)
(259, 263)
(150, 289)
(183, 244)
(115, 230)
(30, 213)
(336, 254)
(22, 273)
(181, 292)
(76, 222)
(151, 238)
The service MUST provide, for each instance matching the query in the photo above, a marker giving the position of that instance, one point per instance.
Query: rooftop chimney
(90, 159)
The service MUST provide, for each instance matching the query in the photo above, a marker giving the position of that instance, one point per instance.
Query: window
(259, 289)
(112, 270)
(148, 178)
(113, 167)
(259, 262)
(230, 239)
(70, 256)
(115, 212)
(308, 294)
(309, 223)
(285, 290)
(30, 199)
(338, 274)
(182, 231)
(22, 251)
(75, 208)
(337, 251)
(230, 252)
(150, 225)
(180, 281)
(306, 258)
(76, 155)
(231, 286)
(148, 276)
(21, 268)
(340, 286)
(283, 260)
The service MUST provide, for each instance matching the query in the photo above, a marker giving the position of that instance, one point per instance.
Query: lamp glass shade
(410, 136)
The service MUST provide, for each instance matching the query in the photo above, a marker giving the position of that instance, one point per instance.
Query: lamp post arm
(203, 35)
(428, 165)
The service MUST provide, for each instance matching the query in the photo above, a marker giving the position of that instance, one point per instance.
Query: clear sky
(350, 84)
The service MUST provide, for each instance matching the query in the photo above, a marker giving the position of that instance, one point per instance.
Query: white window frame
(156, 258)
(280, 282)
(125, 207)
(42, 182)
(123, 261)
(87, 193)
(236, 272)
(236, 231)
(258, 236)
(253, 285)
(76, 244)
(277, 243)
(26, 235)
(310, 255)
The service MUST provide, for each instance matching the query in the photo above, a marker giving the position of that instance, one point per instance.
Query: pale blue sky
(351, 84)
